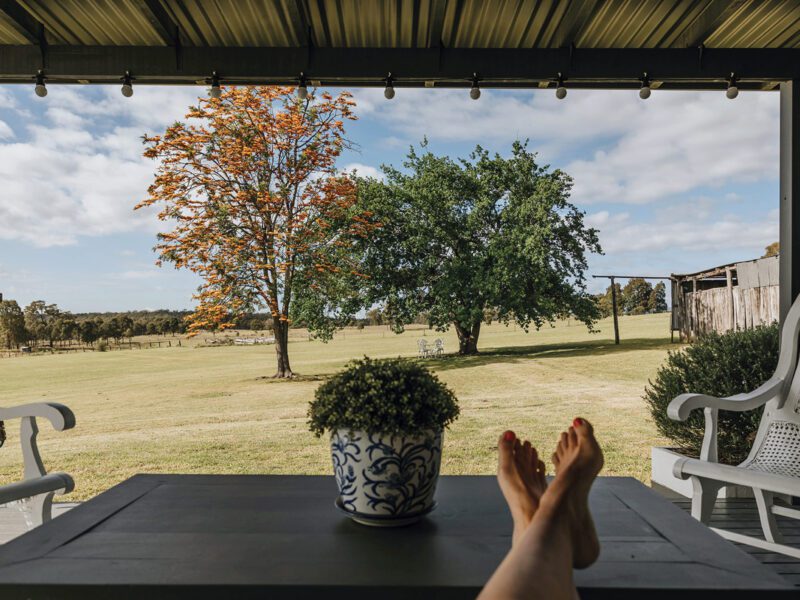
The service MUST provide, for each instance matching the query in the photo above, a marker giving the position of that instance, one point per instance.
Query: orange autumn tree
(257, 208)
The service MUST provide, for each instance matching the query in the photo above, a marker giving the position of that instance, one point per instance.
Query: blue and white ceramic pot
(386, 479)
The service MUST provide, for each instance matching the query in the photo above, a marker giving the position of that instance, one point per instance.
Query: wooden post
(614, 310)
(731, 312)
(695, 310)
(790, 195)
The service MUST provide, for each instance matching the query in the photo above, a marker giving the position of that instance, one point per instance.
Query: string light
(215, 91)
(41, 88)
(127, 85)
(733, 88)
(302, 88)
(475, 90)
(644, 91)
(561, 90)
(388, 91)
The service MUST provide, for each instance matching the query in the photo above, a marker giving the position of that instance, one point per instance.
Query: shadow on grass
(516, 354)
(296, 378)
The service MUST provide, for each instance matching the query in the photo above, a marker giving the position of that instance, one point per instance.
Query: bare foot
(578, 459)
(520, 474)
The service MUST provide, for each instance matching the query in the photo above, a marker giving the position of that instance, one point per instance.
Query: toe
(505, 447)
(572, 438)
(541, 472)
(583, 427)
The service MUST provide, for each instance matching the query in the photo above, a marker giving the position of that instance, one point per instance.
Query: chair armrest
(60, 416)
(680, 407)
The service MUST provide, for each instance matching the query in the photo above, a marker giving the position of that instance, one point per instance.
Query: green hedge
(717, 365)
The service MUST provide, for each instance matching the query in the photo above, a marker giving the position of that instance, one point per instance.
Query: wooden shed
(738, 295)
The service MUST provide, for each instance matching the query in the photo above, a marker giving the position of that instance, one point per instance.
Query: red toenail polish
(577, 422)
(508, 436)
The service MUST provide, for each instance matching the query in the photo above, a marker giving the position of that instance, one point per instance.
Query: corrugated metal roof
(247, 23)
(93, 22)
(418, 23)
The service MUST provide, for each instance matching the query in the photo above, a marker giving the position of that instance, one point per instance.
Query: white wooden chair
(38, 486)
(772, 469)
(423, 351)
(438, 347)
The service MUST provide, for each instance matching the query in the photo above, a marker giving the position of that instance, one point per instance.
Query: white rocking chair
(38, 486)
(772, 469)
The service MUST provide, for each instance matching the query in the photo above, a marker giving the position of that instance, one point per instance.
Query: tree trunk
(468, 338)
(281, 332)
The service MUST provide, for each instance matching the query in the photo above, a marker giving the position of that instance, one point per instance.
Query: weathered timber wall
(710, 310)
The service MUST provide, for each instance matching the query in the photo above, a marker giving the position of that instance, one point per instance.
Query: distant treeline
(638, 297)
(41, 323)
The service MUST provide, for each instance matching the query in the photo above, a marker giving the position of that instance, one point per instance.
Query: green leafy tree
(89, 331)
(460, 236)
(40, 319)
(12, 324)
(772, 250)
(657, 302)
(636, 295)
(605, 303)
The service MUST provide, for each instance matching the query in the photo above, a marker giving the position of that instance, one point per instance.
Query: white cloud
(81, 171)
(694, 231)
(137, 274)
(363, 170)
(672, 143)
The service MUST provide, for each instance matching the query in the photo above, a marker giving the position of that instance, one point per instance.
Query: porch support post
(790, 195)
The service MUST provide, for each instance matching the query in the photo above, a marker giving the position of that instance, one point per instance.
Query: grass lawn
(211, 410)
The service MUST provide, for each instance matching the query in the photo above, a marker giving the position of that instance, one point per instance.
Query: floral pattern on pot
(386, 474)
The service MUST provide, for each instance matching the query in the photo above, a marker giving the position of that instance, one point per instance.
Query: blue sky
(677, 183)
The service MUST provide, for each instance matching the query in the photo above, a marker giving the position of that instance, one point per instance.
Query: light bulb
(388, 91)
(475, 92)
(127, 85)
(561, 91)
(733, 89)
(40, 89)
(215, 91)
(644, 91)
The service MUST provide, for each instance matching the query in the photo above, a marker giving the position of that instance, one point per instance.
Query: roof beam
(22, 21)
(166, 28)
(453, 67)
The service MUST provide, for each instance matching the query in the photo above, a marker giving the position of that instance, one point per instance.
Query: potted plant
(386, 419)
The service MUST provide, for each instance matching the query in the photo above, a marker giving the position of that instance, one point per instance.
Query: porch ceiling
(511, 43)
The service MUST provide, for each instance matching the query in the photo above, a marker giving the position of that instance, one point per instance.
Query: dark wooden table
(157, 536)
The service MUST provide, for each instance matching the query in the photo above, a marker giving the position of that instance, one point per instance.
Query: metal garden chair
(423, 351)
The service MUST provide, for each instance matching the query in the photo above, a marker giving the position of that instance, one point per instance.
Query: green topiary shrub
(717, 365)
(386, 396)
